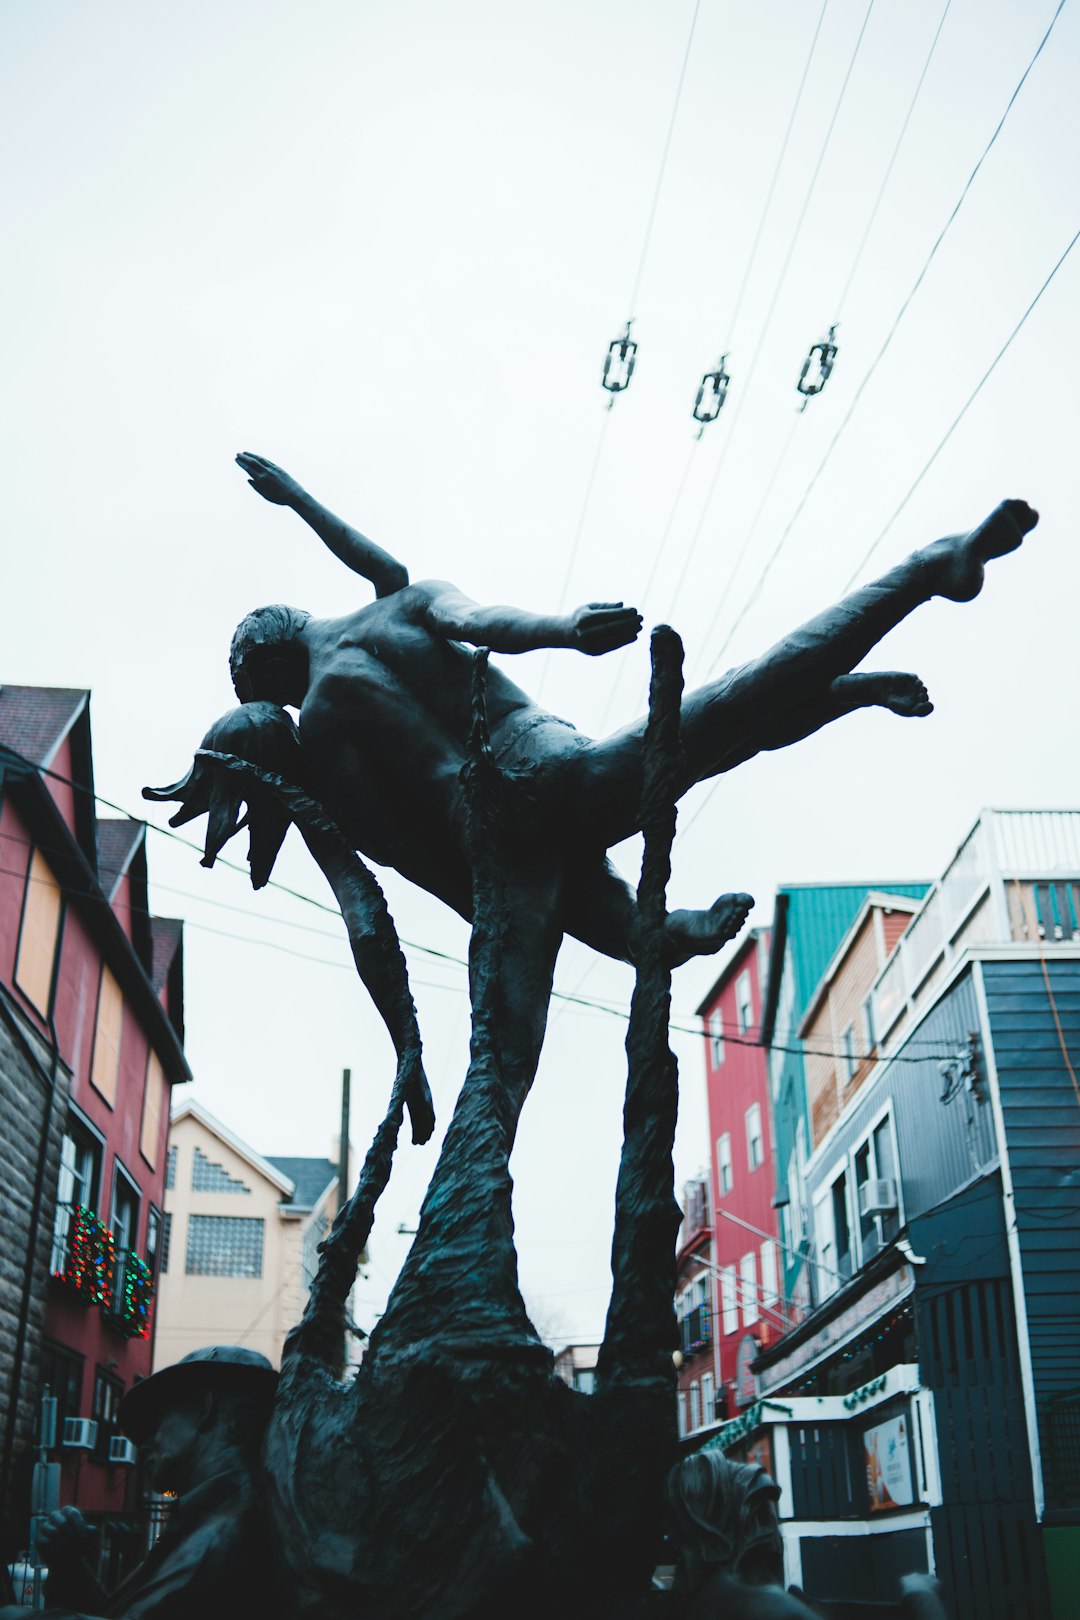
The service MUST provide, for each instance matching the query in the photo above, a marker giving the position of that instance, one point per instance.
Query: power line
(972, 397)
(891, 165)
(890, 334)
(913, 487)
(663, 162)
(778, 287)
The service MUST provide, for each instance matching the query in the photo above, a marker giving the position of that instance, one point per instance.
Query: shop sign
(860, 1314)
(887, 1450)
(746, 1385)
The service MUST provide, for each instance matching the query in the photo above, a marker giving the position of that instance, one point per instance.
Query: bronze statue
(457, 1476)
(383, 701)
(200, 1425)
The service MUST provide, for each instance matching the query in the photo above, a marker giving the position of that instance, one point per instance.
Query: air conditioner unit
(79, 1433)
(877, 1197)
(122, 1450)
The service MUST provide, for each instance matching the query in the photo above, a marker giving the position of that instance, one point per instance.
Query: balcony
(1014, 880)
(83, 1259)
(128, 1311)
(696, 1331)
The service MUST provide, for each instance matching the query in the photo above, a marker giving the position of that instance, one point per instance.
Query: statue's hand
(62, 1537)
(272, 483)
(600, 627)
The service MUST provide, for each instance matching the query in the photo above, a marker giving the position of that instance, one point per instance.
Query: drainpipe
(343, 1147)
(28, 1270)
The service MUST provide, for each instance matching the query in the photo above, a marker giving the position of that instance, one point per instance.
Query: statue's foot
(701, 933)
(886, 689)
(959, 562)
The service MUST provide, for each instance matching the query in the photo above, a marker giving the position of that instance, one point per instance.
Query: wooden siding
(1041, 1113)
(940, 1146)
(828, 1086)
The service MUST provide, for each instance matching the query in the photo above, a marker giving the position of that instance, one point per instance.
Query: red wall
(738, 1082)
(79, 1328)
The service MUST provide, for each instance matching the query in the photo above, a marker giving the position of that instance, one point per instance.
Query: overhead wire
(942, 442)
(575, 543)
(771, 483)
(886, 344)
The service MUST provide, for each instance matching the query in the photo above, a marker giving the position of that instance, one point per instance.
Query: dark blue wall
(1041, 1110)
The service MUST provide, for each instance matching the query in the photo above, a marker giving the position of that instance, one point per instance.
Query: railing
(1005, 849)
(696, 1330)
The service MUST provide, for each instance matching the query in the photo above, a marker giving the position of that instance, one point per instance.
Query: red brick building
(747, 1303)
(93, 985)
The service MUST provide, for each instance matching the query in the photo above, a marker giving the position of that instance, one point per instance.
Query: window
(125, 1212)
(729, 1302)
(110, 1017)
(724, 1175)
(755, 1147)
(170, 1168)
(744, 1002)
(716, 1037)
(682, 1413)
(153, 1240)
(833, 1234)
(708, 1401)
(62, 1376)
(80, 1167)
(108, 1393)
(153, 1108)
(166, 1234)
(37, 934)
(585, 1380)
(209, 1176)
(748, 1288)
(695, 1410)
(868, 1024)
(875, 1160)
(309, 1257)
(224, 1246)
(851, 1063)
(770, 1273)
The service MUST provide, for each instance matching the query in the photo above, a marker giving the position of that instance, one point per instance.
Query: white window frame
(725, 1169)
(744, 1002)
(708, 1400)
(695, 1407)
(883, 1115)
(770, 1272)
(729, 1299)
(682, 1413)
(716, 1037)
(748, 1288)
(754, 1113)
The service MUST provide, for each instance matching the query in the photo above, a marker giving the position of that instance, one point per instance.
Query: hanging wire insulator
(619, 363)
(711, 395)
(817, 367)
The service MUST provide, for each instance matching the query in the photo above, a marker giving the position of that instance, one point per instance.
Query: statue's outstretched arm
(351, 547)
(599, 627)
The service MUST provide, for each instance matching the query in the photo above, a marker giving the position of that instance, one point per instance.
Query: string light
(90, 1264)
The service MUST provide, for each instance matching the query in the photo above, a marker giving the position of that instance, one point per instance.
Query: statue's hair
(266, 628)
(721, 1513)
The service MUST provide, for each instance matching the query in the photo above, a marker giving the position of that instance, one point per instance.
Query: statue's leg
(747, 704)
(804, 681)
(601, 906)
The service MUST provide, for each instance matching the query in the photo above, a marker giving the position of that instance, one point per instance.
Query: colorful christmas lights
(90, 1263)
(132, 1308)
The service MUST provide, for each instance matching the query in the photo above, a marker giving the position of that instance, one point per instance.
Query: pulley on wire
(817, 367)
(619, 364)
(711, 395)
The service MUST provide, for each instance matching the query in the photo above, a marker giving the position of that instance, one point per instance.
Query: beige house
(241, 1239)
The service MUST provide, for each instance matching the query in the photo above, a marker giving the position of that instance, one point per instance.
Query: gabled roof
(311, 1178)
(166, 937)
(265, 1167)
(34, 720)
(117, 840)
(876, 900)
(751, 940)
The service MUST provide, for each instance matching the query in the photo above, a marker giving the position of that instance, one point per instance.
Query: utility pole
(343, 1149)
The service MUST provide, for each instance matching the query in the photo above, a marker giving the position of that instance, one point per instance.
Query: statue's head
(722, 1515)
(267, 659)
(188, 1418)
(260, 734)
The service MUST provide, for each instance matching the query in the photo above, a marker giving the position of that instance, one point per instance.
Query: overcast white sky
(386, 244)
